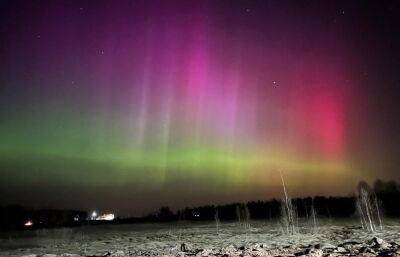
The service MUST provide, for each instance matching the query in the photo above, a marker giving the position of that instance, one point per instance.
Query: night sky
(130, 105)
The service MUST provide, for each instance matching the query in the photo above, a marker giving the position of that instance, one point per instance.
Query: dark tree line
(388, 194)
(324, 206)
(14, 217)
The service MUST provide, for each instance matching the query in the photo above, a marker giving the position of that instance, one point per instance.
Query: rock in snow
(325, 246)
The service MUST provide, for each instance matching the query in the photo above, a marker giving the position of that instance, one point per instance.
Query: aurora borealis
(130, 105)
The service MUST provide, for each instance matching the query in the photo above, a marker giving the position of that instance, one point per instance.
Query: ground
(262, 238)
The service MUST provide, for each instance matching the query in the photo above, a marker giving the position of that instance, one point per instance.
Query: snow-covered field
(332, 238)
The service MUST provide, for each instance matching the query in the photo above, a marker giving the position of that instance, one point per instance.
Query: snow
(199, 239)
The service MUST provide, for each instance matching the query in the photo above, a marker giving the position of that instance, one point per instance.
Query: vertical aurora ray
(157, 96)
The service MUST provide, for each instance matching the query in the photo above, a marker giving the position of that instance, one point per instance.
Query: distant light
(29, 223)
(76, 218)
(197, 215)
(94, 215)
(107, 216)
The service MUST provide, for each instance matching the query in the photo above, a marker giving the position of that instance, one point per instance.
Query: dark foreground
(329, 238)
